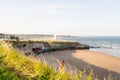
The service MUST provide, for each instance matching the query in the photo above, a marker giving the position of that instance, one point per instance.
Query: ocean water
(105, 44)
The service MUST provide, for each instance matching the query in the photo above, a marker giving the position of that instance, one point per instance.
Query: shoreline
(102, 64)
(106, 51)
(99, 59)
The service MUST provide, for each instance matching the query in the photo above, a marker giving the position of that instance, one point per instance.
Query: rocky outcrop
(38, 47)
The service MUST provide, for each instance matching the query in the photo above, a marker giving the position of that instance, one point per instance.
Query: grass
(6, 74)
(48, 42)
(18, 67)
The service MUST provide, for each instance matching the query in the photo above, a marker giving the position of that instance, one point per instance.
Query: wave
(105, 44)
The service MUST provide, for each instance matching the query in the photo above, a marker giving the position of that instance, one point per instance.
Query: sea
(106, 44)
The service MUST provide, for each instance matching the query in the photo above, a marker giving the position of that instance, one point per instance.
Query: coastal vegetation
(14, 66)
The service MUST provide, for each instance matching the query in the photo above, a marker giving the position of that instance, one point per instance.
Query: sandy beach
(102, 64)
(102, 60)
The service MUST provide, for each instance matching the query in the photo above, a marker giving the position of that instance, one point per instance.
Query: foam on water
(108, 45)
(108, 51)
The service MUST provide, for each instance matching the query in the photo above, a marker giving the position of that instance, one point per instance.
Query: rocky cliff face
(37, 47)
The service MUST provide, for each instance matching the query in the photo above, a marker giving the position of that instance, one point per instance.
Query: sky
(60, 17)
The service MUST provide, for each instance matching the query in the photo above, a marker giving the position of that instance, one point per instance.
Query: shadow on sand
(80, 64)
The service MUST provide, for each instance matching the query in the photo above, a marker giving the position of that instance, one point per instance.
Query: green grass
(48, 42)
(24, 68)
(6, 74)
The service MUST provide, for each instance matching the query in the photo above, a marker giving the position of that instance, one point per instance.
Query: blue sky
(65, 17)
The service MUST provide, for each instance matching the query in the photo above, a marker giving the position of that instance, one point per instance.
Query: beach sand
(102, 64)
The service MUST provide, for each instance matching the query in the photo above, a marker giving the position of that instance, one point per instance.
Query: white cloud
(62, 6)
(55, 8)
(50, 8)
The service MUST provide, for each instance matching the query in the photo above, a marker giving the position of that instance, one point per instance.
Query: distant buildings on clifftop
(32, 36)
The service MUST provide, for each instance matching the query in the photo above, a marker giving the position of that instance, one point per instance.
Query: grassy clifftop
(14, 66)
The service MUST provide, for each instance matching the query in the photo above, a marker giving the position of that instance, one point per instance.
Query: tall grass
(28, 69)
(6, 74)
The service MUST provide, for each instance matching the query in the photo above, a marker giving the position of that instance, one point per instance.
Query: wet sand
(102, 64)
